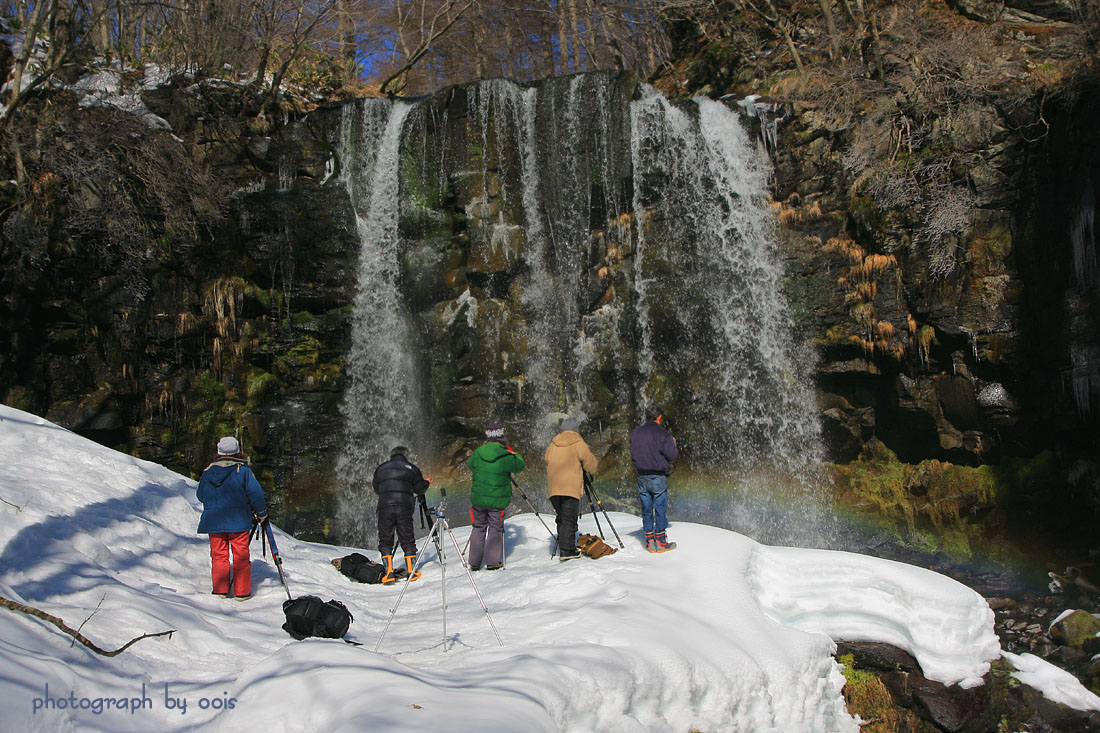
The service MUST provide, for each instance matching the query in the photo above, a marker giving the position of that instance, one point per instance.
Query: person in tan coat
(567, 458)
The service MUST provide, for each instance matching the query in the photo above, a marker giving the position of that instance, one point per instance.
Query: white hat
(228, 446)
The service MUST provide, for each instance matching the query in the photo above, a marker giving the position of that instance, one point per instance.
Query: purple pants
(487, 536)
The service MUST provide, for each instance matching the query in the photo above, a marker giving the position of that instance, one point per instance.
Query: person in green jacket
(492, 466)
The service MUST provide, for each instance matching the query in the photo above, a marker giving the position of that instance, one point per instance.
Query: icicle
(768, 115)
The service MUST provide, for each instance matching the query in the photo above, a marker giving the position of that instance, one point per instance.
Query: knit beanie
(494, 432)
(570, 423)
(228, 446)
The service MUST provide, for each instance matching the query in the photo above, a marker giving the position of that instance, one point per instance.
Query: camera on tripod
(436, 518)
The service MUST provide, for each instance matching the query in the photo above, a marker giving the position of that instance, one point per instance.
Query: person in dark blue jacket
(652, 451)
(397, 483)
(231, 496)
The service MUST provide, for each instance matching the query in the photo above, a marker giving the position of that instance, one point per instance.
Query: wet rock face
(232, 322)
(241, 323)
(959, 361)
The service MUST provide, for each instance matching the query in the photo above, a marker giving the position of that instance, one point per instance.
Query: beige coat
(566, 456)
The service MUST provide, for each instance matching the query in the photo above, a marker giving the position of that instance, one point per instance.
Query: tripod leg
(466, 567)
(592, 506)
(404, 587)
(442, 584)
(605, 516)
(553, 547)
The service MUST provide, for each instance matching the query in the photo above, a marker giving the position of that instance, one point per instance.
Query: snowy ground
(721, 634)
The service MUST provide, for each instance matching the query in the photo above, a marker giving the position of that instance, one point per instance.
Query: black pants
(568, 510)
(400, 517)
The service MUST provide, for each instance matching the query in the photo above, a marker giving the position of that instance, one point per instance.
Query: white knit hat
(228, 446)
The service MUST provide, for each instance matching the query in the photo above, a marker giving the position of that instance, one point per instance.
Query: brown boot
(410, 560)
(388, 577)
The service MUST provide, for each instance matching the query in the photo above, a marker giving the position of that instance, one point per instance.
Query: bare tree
(48, 43)
(417, 29)
(286, 26)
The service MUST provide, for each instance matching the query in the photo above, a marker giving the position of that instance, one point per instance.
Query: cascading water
(714, 320)
(381, 405)
(572, 180)
(605, 252)
(1084, 353)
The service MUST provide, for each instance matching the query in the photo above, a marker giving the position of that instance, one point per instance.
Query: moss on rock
(867, 697)
(939, 506)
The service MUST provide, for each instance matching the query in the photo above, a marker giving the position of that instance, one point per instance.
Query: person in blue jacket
(231, 496)
(652, 451)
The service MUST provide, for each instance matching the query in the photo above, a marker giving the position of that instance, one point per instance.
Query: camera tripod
(439, 525)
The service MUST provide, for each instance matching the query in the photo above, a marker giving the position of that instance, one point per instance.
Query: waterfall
(381, 406)
(539, 296)
(571, 187)
(582, 246)
(1084, 373)
(714, 320)
(1082, 234)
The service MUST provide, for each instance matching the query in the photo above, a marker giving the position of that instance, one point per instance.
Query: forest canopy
(411, 47)
(403, 46)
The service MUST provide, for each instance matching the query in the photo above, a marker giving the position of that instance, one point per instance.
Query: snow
(721, 634)
(104, 87)
(1055, 683)
(938, 623)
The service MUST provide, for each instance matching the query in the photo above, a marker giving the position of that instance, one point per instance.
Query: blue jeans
(653, 491)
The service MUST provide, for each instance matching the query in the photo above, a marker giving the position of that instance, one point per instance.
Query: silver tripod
(439, 526)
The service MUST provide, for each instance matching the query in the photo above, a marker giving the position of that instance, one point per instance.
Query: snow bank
(946, 626)
(722, 634)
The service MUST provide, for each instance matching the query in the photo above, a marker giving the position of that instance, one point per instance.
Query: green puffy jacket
(492, 465)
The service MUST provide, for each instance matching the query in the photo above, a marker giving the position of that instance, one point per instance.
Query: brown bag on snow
(594, 547)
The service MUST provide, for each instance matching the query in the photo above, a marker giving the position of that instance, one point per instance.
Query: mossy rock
(20, 398)
(1075, 628)
(260, 386)
(867, 697)
(940, 506)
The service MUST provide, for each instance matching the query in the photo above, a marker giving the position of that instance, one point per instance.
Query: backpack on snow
(310, 616)
(592, 546)
(360, 568)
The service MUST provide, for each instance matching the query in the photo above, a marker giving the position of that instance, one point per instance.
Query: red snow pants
(220, 544)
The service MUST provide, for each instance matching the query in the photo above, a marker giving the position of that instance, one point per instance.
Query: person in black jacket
(652, 451)
(397, 483)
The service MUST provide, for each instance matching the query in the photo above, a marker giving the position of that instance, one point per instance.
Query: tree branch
(93, 613)
(16, 606)
(426, 42)
(17, 507)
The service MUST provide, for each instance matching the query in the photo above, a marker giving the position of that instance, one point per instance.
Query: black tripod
(593, 502)
(553, 548)
(438, 527)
